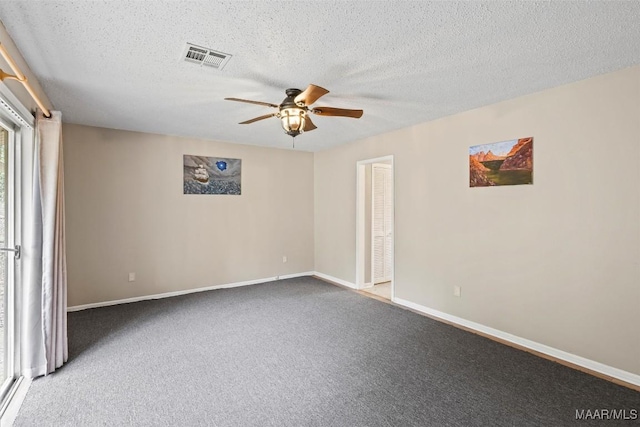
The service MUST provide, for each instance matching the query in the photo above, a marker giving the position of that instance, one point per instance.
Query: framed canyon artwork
(211, 175)
(501, 163)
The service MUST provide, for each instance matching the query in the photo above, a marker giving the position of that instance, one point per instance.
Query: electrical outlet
(284, 258)
(132, 277)
(457, 291)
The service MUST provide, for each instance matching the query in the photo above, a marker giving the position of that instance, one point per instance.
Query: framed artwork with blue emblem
(212, 175)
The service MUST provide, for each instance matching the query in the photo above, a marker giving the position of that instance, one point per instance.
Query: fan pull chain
(293, 141)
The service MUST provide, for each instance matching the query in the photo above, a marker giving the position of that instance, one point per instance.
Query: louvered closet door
(382, 222)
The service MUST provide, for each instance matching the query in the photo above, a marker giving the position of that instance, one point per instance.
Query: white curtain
(45, 283)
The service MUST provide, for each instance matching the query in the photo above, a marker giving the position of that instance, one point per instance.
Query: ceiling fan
(294, 110)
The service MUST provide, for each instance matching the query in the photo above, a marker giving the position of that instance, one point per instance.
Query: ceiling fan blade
(252, 102)
(308, 124)
(340, 112)
(266, 116)
(310, 95)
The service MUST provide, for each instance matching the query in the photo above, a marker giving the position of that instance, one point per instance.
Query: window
(16, 128)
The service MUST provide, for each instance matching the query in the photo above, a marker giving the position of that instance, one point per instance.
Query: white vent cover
(205, 56)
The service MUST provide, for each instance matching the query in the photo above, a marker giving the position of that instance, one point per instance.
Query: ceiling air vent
(205, 57)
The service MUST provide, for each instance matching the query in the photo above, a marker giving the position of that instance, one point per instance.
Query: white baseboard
(335, 279)
(523, 342)
(186, 291)
(591, 365)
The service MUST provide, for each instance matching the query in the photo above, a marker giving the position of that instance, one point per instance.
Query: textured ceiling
(117, 64)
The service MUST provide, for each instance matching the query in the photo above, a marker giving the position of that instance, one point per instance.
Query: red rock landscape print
(501, 163)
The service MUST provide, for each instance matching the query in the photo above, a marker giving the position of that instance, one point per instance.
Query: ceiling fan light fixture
(293, 120)
(294, 110)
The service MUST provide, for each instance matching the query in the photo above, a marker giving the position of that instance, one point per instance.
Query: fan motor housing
(289, 101)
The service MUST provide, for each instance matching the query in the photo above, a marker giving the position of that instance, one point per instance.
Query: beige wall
(126, 212)
(557, 262)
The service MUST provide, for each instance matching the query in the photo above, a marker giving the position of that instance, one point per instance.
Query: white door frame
(360, 221)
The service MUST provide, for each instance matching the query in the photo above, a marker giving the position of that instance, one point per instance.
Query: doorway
(375, 227)
(9, 253)
(16, 140)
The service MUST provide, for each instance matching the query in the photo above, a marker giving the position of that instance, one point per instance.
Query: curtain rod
(21, 78)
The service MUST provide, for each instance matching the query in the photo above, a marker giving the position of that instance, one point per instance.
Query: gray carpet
(300, 352)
